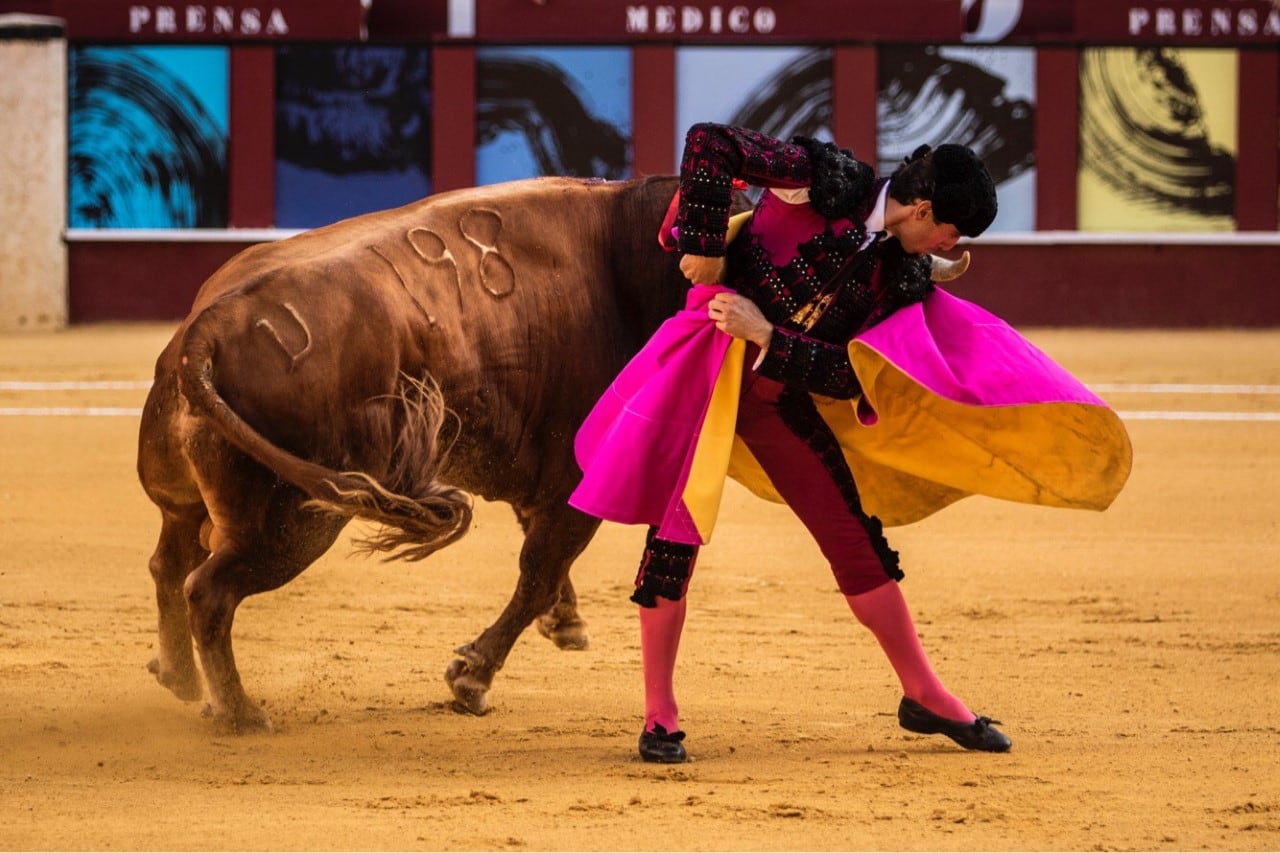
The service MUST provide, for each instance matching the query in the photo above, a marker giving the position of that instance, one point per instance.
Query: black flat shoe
(980, 734)
(662, 747)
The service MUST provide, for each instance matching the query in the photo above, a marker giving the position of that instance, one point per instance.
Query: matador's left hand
(736, 315)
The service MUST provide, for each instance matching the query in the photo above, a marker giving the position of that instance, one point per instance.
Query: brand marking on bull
(294, 358)
(431, 320)
(432, 248)
(481, 228)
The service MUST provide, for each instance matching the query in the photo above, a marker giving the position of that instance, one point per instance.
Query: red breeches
(802, 458)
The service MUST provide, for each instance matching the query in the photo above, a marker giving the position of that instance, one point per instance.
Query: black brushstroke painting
(1142, 132)
(143, 150)
(537, 100)
(348, 110)
(923, 98)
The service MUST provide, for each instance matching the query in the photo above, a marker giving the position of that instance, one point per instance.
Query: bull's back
(508, 296)
(476, 232)
(505, 280)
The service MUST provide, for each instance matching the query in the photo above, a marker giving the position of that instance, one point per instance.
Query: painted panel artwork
(982, 97)
(353, 131)
(147, 137)
(781, 91)
(1157, 139)
(552, 111)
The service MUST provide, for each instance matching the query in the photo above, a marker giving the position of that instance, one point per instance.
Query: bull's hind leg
(554, 537)
(231, 574)
(177, 554)
(168, 480)
(213, 592)
(561, 624)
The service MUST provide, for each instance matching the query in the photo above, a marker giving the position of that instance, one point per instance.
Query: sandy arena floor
(1132, 655)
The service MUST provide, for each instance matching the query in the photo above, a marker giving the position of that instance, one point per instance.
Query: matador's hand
(701, 269)
(736, 315)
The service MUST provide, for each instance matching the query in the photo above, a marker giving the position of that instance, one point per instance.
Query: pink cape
(637, 445)
(955, 402)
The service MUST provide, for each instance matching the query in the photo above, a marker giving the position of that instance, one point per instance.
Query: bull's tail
(417, 514)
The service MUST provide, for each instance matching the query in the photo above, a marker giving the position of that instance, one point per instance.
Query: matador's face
(920, 232)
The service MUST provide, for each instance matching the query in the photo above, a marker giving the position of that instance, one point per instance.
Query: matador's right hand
(701, 269)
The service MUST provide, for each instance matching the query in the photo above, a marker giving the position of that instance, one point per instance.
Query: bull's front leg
(554, 537)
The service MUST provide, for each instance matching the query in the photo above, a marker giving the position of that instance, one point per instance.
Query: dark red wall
(139, 280)
(1130, 285)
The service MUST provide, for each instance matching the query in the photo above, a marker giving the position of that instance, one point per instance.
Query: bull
(389, 367)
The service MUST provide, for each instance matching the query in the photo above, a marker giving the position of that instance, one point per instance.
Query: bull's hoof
(569, 635)
(248, 720)
(470, 694)
(186, 686)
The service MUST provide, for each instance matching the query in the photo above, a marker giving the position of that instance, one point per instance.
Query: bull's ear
(947, 270)
(667, 231)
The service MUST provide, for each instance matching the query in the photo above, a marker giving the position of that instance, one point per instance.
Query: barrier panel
(33, 172)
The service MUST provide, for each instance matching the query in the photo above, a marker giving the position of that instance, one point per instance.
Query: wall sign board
(216, 21)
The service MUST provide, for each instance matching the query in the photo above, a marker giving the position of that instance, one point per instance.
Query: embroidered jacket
(807, 271)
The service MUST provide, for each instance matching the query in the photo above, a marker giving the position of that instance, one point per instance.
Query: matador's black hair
(955, 180)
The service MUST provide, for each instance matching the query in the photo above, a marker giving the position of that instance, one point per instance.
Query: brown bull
(386, 368)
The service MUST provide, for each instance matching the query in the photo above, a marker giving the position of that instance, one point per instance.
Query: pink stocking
(660, 629)
(884, 611)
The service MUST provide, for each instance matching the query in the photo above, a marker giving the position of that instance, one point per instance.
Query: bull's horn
(945, 270)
